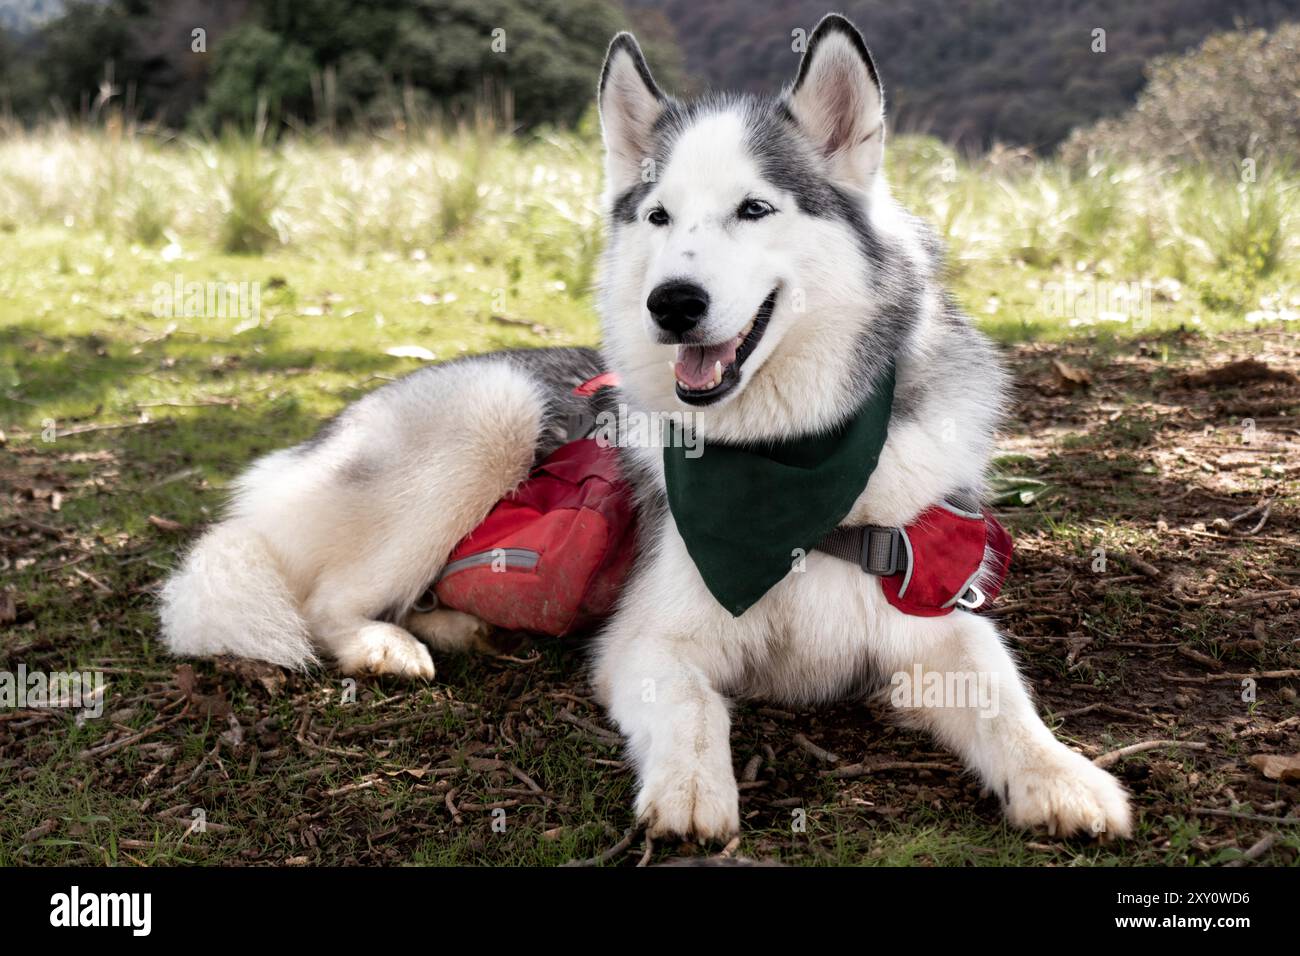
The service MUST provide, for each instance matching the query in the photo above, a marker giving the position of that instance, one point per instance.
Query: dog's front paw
(690, 802)
(1066, 794)
(385, 649)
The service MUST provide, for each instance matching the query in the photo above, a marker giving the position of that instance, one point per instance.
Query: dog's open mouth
(707, 372)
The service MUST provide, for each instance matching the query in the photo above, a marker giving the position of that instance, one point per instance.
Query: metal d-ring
(972, 598)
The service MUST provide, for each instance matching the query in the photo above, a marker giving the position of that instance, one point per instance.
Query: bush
(1231, 100)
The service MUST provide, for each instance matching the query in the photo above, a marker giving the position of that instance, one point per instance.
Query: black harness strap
(875, 549)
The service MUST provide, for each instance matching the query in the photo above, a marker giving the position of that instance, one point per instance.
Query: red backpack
(551, 557)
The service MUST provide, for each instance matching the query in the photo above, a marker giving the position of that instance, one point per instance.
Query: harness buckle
(971, 598)
(882, 551)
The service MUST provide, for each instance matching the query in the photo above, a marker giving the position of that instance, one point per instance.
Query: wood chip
(825, 756)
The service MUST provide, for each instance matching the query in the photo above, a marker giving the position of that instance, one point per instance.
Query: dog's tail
(230, 597)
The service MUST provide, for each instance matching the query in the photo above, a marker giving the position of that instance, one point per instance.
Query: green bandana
(745, 511)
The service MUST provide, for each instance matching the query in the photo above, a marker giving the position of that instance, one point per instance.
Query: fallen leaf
(535, 327)
(411, 351)
(419, 773)
(1014, 490)
(1071, 377)
(184, 677)
(166, 524)
(209, 705)
(269, 676)
(41, 830)
(1277, 766)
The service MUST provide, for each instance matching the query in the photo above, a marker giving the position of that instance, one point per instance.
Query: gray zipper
(518, 558)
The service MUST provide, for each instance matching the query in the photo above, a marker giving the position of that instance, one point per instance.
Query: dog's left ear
(838, 102)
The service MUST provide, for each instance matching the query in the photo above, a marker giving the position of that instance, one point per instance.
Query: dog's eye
(754, 209)
(658, 216)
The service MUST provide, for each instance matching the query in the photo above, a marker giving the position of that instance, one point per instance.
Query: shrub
(1231, 100)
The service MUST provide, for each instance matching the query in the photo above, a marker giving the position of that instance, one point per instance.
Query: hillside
(970, 71)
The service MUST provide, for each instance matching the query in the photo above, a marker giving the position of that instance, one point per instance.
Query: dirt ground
(1154, 599)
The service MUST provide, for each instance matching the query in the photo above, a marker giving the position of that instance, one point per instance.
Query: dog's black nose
(677, 306)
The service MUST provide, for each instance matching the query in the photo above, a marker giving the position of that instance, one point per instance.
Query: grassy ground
(124, 418)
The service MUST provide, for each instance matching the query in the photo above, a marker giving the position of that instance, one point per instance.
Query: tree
(337, 59)
(255, 65)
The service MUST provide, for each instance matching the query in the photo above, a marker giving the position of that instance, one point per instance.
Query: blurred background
(1023, 76)
(1033, 132)
(1169, 85)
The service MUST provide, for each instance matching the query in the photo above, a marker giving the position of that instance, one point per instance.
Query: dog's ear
(838, 101)
(630, 102)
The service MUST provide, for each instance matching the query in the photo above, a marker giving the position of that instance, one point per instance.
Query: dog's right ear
(630, 103)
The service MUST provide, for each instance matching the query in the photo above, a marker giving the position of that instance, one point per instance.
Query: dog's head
(736, 222)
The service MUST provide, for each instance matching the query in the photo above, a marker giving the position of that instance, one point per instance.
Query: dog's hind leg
(416, 472)
(363, 646)
(446, 630)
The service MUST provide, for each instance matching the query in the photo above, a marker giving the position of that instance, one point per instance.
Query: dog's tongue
(695, 363)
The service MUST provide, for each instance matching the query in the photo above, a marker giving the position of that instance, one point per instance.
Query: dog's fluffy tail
(230, 597)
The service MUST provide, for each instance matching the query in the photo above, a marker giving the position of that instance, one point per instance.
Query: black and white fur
(328, 546)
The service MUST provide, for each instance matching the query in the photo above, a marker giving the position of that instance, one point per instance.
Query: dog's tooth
(717, 372)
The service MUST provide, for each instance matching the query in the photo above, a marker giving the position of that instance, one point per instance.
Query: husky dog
(759, 274)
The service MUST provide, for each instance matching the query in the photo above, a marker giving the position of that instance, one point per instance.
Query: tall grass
(252, 192)
(1242, 226)
(498, 196)
(249, 193)
(1134, 222)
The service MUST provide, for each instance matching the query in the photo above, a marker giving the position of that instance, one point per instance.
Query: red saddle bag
(551, 557)
(946, 551)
